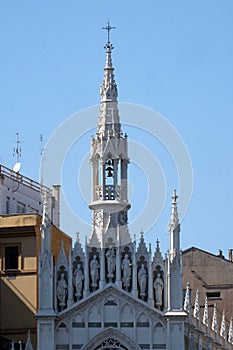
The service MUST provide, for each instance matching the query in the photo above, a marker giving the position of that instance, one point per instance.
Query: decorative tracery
(111, 344)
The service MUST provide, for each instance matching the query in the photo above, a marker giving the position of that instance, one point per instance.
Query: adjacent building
(20, 244)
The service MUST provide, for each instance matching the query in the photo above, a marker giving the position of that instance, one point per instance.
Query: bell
(109, 171)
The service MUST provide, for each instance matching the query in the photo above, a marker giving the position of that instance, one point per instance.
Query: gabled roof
(107, 291)
(205, 252)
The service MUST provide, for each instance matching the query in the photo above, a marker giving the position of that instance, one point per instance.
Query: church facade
(114, 293)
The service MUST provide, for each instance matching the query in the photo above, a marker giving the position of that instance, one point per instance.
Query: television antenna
(41, 159)
(17, 154)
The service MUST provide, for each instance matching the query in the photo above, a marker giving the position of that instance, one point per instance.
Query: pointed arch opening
(111, 339)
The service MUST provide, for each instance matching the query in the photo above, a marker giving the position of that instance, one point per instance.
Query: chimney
(230, 254)
(220, 254)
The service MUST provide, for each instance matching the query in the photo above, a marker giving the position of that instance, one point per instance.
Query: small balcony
(111, 192)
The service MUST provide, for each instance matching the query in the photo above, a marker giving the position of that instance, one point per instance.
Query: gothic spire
(215, 320)
(196, 311)
(205, 320)
(29, 343)
(45, 227)
(109, 159)
(174, 229)
(109, 120)
(223, 326)
(108, 90)
(230, 334)
(174, 220)
(187, 305)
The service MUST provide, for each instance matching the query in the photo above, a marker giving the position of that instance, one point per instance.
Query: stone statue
(62, 291)
(158, 287)
(78, 281)
(94, 268)
(126, 268)
(111, 262)
(142, 279)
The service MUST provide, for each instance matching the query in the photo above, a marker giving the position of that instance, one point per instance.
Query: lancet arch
(111, 339)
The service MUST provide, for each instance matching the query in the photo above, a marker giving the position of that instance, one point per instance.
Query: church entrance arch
(111, 339)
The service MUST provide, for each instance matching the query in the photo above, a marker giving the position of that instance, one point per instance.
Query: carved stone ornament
(62, 259)
(111, 263)
(122, 217)
(62, 288)
(94, 271)
(98, 218)
(78, 252)
(126, 267)
(45, 265)
(158, 287)
(142, 280)
(98, 342)
(78, 277)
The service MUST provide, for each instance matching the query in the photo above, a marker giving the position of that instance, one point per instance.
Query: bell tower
(109, 160)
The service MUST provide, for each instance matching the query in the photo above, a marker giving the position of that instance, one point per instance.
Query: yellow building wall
(19, 289)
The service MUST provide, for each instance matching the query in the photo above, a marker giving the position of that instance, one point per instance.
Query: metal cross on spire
(174, 197)
(108, 28)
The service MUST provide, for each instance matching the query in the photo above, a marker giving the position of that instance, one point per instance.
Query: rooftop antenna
(41, 159)
(17, 155)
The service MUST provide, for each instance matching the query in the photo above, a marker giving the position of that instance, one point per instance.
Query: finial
(174, 197)
(174, 220)
(29, 343)
(150, 248)
(157, 243)
(142, 233)
(214, 326)
(230, 334)
(78, 237)
(108, 28)
(223, 326)
(205, 320)
(196, 311)
(187, 306)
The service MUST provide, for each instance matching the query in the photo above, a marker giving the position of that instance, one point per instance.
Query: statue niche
(62, 288)
(94, 270)
(158, 286)
(111, 263)
(126, 267)
(142, 278)
(78, 278)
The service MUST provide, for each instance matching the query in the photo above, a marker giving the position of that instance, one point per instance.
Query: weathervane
(108, 28)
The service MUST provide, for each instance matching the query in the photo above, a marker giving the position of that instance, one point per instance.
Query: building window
(7, 205)
(213, 295)
(12, 258)
(20, 208)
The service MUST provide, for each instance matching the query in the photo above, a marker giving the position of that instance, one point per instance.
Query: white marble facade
(113, 293)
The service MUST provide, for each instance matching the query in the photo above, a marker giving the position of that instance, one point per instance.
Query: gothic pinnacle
(108, 90)
(174, 220)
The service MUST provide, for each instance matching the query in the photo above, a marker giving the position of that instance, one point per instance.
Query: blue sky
(174, 57)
